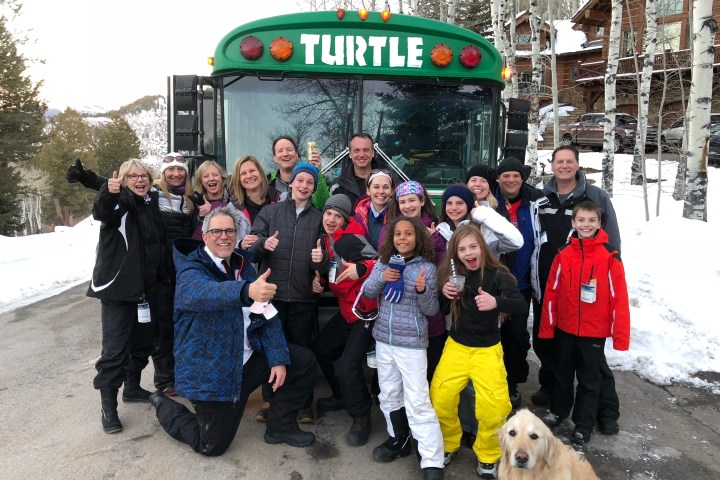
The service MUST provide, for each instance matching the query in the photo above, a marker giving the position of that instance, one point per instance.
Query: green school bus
(427, 91)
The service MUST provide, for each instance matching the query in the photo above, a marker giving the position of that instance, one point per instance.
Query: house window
(573, 73)
(669, 7)
(600, 32)
(627, 49)
(523, 38)
(668, 36)
(525, 80)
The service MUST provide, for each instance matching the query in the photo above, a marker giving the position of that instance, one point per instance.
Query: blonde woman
(130, 256)
(212, 183)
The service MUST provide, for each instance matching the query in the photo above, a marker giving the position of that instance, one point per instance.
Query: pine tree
(116, 143)
(21, 124)
(10, 208)
(70, 138)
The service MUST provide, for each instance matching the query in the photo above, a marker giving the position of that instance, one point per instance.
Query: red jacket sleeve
(548, 319)
(620, 305)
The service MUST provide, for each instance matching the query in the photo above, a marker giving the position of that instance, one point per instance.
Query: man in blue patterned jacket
(224, 352)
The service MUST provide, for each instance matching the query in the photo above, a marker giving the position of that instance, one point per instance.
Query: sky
(672, 267)
(107, 54)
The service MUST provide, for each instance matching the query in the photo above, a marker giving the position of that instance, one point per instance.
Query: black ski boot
(397, 446)
(108, 402)
(133, 392)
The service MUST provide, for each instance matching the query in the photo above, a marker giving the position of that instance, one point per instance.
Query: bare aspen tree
(535, 86)
(553, 75)
(511, 14)
(637, 172)
(451, 12)
(661, 106)
(608, 160)
(704, 27)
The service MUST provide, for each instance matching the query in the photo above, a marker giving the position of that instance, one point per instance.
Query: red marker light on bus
(363, 14)
(340, 13)
(251, 47)
(470, 56)
(441, 55)
(385, 15)
(281, 49)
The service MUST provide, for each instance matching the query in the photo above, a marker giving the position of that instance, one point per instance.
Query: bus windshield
(432, 131)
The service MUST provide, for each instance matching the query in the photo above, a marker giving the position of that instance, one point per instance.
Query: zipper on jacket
(582, 265)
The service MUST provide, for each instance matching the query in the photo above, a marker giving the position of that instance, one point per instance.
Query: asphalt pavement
(50, 421)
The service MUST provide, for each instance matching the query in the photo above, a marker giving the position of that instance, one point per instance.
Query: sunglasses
(174, 158)
(217, 232)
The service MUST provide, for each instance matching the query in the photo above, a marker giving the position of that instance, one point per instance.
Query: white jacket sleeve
(509, 238)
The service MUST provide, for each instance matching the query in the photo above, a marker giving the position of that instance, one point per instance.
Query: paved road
(50, 425)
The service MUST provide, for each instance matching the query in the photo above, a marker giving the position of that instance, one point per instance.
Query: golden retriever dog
(531, 451)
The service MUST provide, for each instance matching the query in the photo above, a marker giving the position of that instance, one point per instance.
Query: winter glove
(197, 199)
(76, 173)
(394, 290)
(444, 230)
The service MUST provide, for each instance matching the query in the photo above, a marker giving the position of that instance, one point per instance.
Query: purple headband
(409, 188)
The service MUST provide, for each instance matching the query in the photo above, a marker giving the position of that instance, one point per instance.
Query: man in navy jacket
(223, 352)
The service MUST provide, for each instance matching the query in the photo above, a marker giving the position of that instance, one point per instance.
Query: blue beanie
(462, 192)
(304, 167)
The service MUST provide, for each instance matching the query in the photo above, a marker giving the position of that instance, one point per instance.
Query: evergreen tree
(69, 138)
(21, 123)
(10, 208)
(116, 143)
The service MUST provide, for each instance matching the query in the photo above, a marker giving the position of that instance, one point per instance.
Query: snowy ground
(672, 267)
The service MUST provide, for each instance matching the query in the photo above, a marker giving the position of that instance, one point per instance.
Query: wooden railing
(673, 61)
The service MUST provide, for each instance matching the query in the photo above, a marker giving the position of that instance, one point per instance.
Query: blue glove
(394, 290)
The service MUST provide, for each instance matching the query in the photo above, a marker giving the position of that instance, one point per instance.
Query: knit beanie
(165, 165)
(485, 172)
(460, 191)
(306, 168)
(512, 164)
(341, 204)
(408, 188)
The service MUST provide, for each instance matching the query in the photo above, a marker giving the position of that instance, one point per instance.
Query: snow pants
(402, 374)
(485, 367)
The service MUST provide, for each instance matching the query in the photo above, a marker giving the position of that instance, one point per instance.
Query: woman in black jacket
(131, 256)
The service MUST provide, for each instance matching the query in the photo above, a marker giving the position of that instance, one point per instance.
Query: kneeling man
(223, 352)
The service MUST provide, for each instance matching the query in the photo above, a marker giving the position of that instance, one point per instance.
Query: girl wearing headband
(371, 211)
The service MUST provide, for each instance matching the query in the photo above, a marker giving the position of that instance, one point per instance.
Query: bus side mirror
(516, 138)
(184, 112)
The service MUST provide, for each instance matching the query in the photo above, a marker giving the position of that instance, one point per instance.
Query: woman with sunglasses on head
(132, 247)
(211, 183)
(250, 192)
(177, 210)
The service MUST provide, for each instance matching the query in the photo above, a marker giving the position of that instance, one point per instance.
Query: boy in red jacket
(586, 301)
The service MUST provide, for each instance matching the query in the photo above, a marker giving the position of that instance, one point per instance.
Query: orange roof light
(470, 56)
(507, 73)
(281, 49)
(363, 14)
(251, 47)
(211, 61)
(385, 15)
(340, 13)
(441, 55)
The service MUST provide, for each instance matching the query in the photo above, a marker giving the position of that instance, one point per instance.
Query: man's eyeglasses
(135, 177)
(217, 232)
(174, 158)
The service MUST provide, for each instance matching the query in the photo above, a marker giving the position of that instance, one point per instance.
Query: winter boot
(133, 392)
(108, 402)
(359, 433)
(397, 446)
(433, 473)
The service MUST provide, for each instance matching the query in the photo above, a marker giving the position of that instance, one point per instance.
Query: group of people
(217, 280)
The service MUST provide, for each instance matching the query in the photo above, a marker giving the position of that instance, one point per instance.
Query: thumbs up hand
(260, 290)
(205, 208)
(316, 253)
(317, 286)
(420, 283)
(272, 242)
(484, 301)
(114, 183)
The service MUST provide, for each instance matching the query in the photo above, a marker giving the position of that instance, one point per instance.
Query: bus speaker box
(186, 132)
